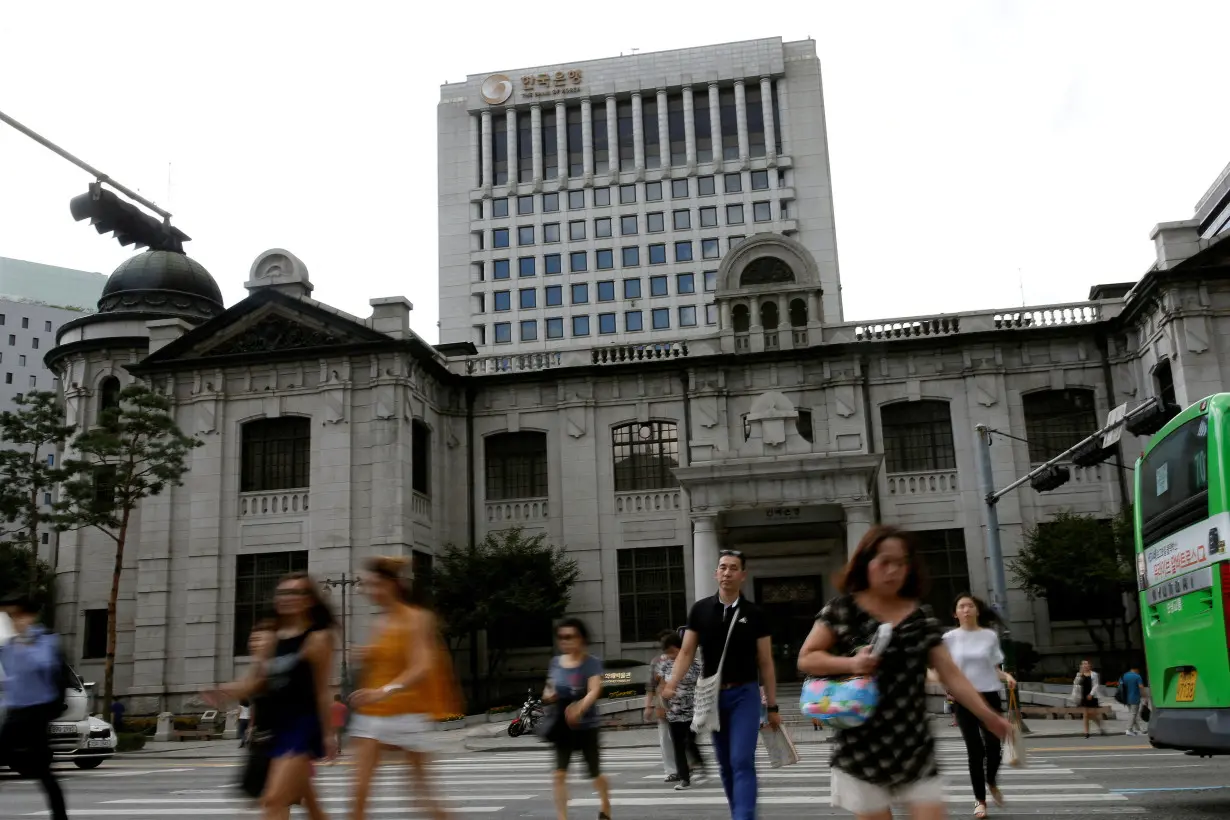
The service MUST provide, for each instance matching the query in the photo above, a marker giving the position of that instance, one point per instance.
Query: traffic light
(1149, 420)
(131, 225)
(1091, 453)
(1051, 478)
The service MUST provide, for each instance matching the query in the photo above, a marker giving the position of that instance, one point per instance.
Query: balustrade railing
(633, 502)
(517, 511)
(273, 502)
(615, 354)
(934, 482)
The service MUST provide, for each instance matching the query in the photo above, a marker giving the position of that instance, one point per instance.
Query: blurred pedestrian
(574, 684)
(245, 719)
(34, 684)
(339, 714)
(1132, 685)
(117, 716)
(679, 714)
(654, 711)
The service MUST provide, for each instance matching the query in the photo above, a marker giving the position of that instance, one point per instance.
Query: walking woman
(407, 685)
(574, 684)
(294, 678)
(679, 712)
(891, 757)
(974, 646)
(1086, 689)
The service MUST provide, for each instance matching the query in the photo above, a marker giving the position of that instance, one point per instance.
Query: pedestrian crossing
(518, 783)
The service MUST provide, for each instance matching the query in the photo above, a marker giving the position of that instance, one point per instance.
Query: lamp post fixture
(344, 582)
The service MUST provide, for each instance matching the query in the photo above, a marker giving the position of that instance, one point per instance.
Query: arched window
(276, 454)
(918, 436)
(741, 318)
(645, 454)
(798, 313)
(1055, 420)
(769, 316)
(420, 457)
(516, 465)
(108, 396)
(767, 270)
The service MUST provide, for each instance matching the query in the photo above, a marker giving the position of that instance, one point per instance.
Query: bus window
(1174, 481)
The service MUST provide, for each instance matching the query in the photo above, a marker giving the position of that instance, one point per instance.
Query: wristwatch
(773, 710)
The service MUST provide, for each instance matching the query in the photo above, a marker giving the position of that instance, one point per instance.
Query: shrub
(141, 725)
(495, 710)
(450, 718)
(129, 742)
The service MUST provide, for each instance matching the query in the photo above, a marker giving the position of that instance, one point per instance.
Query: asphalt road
(1070, 776)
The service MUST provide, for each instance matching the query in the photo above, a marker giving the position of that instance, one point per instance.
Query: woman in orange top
(406, 685)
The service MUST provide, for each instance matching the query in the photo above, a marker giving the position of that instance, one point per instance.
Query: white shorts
(414, 733)
(861, 797)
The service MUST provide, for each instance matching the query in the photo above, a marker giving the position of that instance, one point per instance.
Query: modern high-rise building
(592, 202)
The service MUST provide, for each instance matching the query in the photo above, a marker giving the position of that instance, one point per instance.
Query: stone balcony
(516, 511)
(420, 507)
(928, 483)
(273, 503)
(645, 502)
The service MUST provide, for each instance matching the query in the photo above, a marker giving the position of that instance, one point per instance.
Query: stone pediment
(274, 333)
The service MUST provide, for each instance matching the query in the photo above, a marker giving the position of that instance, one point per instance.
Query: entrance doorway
(790, 604)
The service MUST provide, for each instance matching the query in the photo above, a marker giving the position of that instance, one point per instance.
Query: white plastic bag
(780, 746)
(1014, 749)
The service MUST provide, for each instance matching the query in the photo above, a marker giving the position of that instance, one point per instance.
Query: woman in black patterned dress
(890, 758)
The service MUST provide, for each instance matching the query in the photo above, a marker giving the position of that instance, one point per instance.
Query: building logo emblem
(497, 89)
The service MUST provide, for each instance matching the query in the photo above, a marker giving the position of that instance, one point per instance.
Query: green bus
(1182, 520)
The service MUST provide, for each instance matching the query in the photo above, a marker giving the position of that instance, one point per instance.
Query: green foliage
(19, 575)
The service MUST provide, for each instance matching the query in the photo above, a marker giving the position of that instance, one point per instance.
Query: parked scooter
(531, 712)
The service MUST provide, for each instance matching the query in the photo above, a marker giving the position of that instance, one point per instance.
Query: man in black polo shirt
(748, 666)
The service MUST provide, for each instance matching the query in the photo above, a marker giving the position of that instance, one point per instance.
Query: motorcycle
(531, 712)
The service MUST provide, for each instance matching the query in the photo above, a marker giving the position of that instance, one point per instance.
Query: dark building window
(943, 554)
(652, 592)
(256, 577)
(420, 457)
(108, 396)
(1056, 420)
(94, 634)
(576, 155)
(105, 477)
(516, 465)
(422, 573)
(675, 131)
(645, 454)
(276, 454)
(626, 134)
(918, 436)
(1163, 376)
(729, 123)
(649, 117)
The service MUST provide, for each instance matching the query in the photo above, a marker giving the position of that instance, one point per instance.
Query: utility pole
(344, 583)
(990, 517)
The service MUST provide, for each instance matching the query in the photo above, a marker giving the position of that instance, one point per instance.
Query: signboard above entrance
(765, 516)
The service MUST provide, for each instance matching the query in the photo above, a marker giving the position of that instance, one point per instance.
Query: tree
(22, 574)
(1082, 558)
(32, 435)
(504, 586)
(135, 452)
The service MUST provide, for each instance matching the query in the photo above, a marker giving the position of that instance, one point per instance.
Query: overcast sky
(969, 141)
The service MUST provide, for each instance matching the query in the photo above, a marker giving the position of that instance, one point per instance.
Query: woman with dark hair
(574, 684)
(1086, 687)
(679, 713)
(406, 685)
(891, 757)
(974, 646)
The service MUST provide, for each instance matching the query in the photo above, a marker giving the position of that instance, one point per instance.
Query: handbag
(1014, 748)
(844, 703)
(705, 697)
(256, 769)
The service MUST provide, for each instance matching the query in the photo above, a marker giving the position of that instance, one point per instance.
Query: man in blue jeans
(748, 667)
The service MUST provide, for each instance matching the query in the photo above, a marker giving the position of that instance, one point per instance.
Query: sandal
(980, 810)
(997, 796)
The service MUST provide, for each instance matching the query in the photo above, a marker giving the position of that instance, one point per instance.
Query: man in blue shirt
(31, 662)
(1133, 684)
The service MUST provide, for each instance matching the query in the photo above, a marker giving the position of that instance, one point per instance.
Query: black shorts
(584, 741)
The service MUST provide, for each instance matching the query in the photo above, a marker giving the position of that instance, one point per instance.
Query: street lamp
(344, 583)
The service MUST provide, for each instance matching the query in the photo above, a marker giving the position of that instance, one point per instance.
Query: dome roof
(162, 282)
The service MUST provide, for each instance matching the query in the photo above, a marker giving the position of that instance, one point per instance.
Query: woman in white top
(974, 645)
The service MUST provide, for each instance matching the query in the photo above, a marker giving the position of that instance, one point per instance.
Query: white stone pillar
(858, 522)
(487, 151)
(638, 134)
(741, 121)
(587, 140)
(724, 322)
(513, 158)
(612, 135)
(783, 115)
(561, 140)
(536, 142)
(476, 147)
(704, 555)
(664, 133)
(813, 308)
(689, 127)
(770, 131)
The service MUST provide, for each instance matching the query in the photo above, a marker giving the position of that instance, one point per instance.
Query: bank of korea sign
(1197, 546)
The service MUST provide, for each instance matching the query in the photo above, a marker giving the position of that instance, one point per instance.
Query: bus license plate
(1187, 687)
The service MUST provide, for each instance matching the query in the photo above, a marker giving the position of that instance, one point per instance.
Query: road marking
(1172, 789)
(712, 799)
(194, 812)
(1087, 748)
(380, 798)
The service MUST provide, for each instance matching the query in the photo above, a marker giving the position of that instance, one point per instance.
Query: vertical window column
(715, 122)
(741, 121)
(561, 139)
(476, 149)
(487, 150)
(664, 133)
(689, 127)
(587, 140)
(536, 138)
(513, 154)
(638, 133)
(612, 135)
(770, 133)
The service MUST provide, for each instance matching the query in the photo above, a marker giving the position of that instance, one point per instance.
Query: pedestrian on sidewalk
(33, 666)
(574, 684)
(1087, 691)
(339, 714)
(654, 711)
(1132, 685)
(679, 714)
(729, 624)
(975, 648)
(117, 716)
(407, 684)
(245, 720)
(890, 758)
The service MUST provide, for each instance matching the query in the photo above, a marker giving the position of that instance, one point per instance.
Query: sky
(983, 153)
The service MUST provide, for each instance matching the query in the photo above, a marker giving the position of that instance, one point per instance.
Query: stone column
(487, 152)
(536, 141)
(741, 121)
(689, 127)
(638, 134)
(704, 555)
(715, 123)
(724, 322)
(587, 140)
(770, 131)
(858, 521)
(783, 114)
(476, 147)
(561, 141)
(513, 159)
(664, 133)
(612, 136)
(813, 308)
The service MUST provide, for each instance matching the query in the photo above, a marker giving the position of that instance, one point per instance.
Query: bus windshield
(1174, 482)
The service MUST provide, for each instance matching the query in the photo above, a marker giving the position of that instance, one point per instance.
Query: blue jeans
(735, 747)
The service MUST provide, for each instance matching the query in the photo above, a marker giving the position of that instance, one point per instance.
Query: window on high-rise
(653, 191)
(730, 124)
(655, 222)
(602, 154)
(551, 262)
(755, 121)
(525, 149)
(704, 185)
(760, 180)
(499, 207)
(649, 117)
(550, 232)
(602, 197)
(499, 156)
(682, 220)
(576, 151)
(675, 130)
(550, 146)
(627, 194)
(634, 321)
(525, 205)
(602, 227)
(627, 135)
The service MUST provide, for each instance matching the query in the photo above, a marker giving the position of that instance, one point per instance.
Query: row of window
(21, 359)
(8, 378)
(579, 292)
(629, 225)
(13, 341)
(604, 259)
(606, 323)
(25, 323)
(627, 194)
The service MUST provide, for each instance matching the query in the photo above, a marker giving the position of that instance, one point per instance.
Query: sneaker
(699, 776)
(672, 778)
(683, 786)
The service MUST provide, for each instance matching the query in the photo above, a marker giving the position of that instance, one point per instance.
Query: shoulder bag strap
(734, 617)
